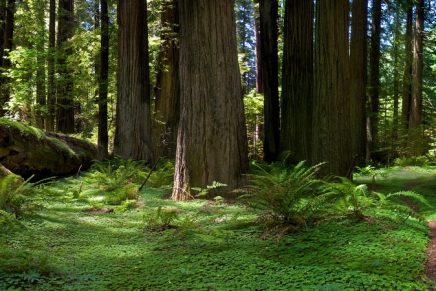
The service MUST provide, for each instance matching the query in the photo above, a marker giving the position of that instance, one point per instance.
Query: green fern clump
(14, 194)
(291, 196)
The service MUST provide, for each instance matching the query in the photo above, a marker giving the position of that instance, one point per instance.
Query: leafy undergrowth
(72, 243)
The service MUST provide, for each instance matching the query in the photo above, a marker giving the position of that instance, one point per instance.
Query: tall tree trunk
(374, 78)
(2, 31)
(51, 90)
(103, 139)
(297, 80)
(416, 110)
(407, 76)
(40, 7)
(65, 98)
(268, 10)
(259, 77)
(7, 47)
(133, 120)
(168, 84)
(358, 70)
(396, 83)
(212, 141)
(331, 131)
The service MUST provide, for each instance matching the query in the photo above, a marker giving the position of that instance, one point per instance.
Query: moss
(27, 130)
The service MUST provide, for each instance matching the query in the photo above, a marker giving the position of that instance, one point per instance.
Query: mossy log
(27, 151)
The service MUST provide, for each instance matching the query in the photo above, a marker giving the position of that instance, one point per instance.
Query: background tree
(167, 87)
(8, 36)
(103, 138)
(297, 80)
(407, 76)
(268, 14)
(51, 89)
(358, 63)
(133, 119)
(331, 137)
(64, 86)
(212, 144)
(41, 98)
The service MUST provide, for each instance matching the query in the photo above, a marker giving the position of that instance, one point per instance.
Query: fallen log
(27, 151)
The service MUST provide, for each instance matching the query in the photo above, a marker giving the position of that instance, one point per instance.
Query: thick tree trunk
(65, 98)
(407, 76)
(51, 89)
(9, 25)
(259, 77)
(168, 83)
(103, 139)
(358, 70)
(133, 121)
(29, 151)
(212, 141)
(396, 83)
(268, 10)
(331, 131)
(297, 80)
(416, 109)
(374, 78)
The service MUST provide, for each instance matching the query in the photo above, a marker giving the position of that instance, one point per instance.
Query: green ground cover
(77, 240)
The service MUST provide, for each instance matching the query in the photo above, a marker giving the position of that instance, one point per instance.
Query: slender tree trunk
(416, 110)
(259, 77)
(65, 98)
(40, 7)
(7, 47)
(2, 30)
(51, 91)
(133, 120)
(268, 10)
(168, 83)
(396, 84)
(374, 78)
(407, 76)
(212, 141)
(358, 71)
(297, 80)
(103, 139)
(331, 130)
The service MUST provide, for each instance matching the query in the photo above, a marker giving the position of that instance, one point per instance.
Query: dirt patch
(95, 210)
(430, 267)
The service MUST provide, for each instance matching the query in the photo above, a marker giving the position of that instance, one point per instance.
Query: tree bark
(297, 80)
(212, 141)
(168, 84)
(331, 131)
(8, 38)
(133, 120)
(65, 98)
(374, 78)
(358, 71)
(51, 90)
(40, 60)
(103, 139)
(268, 10)
(416, 109)
(2, 31)
(396, 83)
(259, 77)
(29, 151)
(407, 76)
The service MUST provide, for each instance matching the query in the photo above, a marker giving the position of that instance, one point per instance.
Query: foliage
(14, 194)
(357, 200)
(419, 161)
(161, 219)
(291, 196)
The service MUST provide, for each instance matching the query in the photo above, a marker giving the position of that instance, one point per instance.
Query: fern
(14, 194)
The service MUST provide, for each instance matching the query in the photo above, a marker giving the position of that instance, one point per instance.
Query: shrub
(162, 219)
(290, 196)
(14, 194)
(419, 161)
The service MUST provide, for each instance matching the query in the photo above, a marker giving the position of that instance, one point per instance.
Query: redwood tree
(7, 45)
(297, 80)
(168, 87)
(331, 131)
(51, 89)
(268, 14)
(103, 138)
(358, 62)
(212, 142)
(133, 119)
(374, 77)
(416, 110)
(64, 88)
(407, 76)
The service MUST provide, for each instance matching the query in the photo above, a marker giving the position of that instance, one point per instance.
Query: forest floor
(69, 243)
